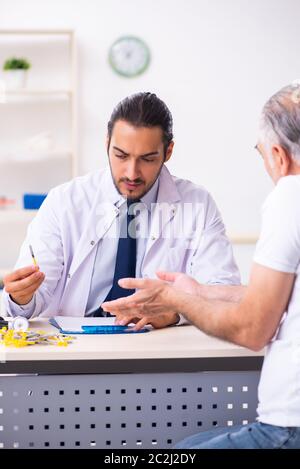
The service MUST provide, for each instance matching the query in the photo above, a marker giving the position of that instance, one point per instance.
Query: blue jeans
(252, 436)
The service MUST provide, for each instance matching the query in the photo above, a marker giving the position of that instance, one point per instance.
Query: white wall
(214, 62)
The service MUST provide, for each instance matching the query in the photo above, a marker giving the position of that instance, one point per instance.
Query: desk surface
(172, 344)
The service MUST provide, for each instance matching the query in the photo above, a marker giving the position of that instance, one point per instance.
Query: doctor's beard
(139, 184)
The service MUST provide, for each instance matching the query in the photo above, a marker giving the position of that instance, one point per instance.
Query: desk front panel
(129, 410)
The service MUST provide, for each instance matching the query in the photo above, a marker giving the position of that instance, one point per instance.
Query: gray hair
(280, 120)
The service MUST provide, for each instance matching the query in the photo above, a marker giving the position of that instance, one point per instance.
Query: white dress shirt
(107, 247)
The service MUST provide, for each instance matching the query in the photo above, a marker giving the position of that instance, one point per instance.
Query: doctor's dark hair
(143, 110)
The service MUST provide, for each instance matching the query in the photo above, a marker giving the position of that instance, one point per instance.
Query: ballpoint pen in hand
(32, 255)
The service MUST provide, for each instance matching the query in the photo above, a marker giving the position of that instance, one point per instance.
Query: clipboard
(86, 325)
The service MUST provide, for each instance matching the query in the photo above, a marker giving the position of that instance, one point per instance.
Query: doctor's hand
(22, 284)
(157, 321)
(154, 297)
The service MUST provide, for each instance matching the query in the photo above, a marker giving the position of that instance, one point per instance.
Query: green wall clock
(129, 56)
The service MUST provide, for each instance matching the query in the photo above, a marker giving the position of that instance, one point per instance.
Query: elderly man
(267, 312)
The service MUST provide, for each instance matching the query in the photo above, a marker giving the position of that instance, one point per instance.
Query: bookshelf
(38, 145)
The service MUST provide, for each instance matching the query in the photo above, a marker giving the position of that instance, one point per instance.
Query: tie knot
(132, 204)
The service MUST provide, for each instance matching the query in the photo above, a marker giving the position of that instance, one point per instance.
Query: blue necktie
(126, 257)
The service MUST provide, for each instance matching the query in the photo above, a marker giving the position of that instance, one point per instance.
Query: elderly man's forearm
(217, 318)
(231, 293)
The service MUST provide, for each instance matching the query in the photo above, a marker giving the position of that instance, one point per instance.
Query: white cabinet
(37, 126)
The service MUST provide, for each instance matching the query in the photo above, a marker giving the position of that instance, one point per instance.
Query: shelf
(16, 216)
(35, 95)
(46, 104)
(38, 92)
(42, 32)
(38, 157)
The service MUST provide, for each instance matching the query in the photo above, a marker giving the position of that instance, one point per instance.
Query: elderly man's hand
(181, 282)
(153, 296)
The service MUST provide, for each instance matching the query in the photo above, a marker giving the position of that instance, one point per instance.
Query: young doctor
(81, 235)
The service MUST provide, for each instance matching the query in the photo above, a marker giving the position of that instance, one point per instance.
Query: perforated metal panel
(121, 411)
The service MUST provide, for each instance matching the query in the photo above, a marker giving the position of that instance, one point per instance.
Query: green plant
(15, 63)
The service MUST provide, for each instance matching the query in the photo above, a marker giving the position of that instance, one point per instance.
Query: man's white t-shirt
(279, 248)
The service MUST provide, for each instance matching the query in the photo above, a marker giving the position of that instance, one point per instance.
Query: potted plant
(16, 72)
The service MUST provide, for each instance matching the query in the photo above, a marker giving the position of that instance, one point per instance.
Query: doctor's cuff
(21, 310)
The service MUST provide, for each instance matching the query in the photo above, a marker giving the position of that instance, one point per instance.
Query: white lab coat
(76, 215)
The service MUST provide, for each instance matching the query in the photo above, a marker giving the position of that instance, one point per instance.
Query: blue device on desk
(97, 329)
(110, 330)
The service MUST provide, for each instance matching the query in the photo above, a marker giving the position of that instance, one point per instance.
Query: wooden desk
(124, 391)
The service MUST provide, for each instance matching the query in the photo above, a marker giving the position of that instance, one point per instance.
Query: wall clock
(129, 56)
